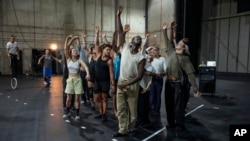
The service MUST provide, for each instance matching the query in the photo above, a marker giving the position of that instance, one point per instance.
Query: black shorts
(101, 87)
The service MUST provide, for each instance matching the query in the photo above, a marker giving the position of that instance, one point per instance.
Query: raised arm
(120, 33)
(67, 46)
(96, 41)
(104, 38)
(143, 47)
(126, 29)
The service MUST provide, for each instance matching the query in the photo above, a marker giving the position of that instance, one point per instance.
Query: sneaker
(119, 135)
(104, 118)
(45, 83)
(66, 115)
(82, 102)
(77, 118)
(98, 117)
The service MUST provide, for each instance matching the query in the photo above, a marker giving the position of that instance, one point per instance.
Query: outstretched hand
(185, 40)
(165, 26)
(84, 34)
(119, 11)
(126, 28)
(103, 34)
(96, 29)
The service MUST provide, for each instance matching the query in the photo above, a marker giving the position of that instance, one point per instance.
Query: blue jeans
(155, 94)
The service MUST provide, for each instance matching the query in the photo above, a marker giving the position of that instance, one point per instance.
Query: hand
(147, 34)
(96, 29)
(60, 61)
(165, 26)
(126, 28)
(84, 35)
(103, 35)
(197, 94)
(119, 11)
(173, 25)
(87, 77)
(121, 86)
(113, 89)
(144, 91)
(70, 36)
(185, 40)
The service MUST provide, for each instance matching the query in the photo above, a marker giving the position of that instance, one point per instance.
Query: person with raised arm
(178, 65)
(131, 72)
(74, 81)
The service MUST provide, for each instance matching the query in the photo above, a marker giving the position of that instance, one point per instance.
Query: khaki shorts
(74, 85)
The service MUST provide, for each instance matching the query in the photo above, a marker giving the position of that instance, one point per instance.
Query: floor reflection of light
(55, 98)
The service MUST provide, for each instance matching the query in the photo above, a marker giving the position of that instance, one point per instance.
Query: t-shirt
(159, 65)
(129, 63)
(146, 78)
(12, 47)
(47, 61)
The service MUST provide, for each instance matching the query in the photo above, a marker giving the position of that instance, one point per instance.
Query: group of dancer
(131, 73)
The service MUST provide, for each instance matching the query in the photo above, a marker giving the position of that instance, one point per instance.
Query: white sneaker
(66, 115)
(82, 102)
(77, 117)
(45, 83)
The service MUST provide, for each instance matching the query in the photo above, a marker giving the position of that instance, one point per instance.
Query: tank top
(73, 66)
(91, 66)
(102, 70)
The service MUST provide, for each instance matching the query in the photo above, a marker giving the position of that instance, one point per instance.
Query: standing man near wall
(131, 72)
(13, 53)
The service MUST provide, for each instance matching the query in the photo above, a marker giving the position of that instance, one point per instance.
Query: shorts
(74, 85)
(47, 72)
(101, 87)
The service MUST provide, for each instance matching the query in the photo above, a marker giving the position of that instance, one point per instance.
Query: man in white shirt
(131, 72)
(13, 53)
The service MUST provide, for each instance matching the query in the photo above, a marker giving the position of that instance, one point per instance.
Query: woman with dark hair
(74, 81)
(103, 76)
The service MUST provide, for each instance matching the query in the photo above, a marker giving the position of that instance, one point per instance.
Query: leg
(159, 84)
(169, 104)
(104, 106)
(122, 109)
(179, 106)
(132, 103)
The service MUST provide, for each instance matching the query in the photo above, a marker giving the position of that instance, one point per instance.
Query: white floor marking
(162, 129)
(194, 110)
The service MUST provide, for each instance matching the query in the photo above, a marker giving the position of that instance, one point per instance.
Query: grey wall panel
(243, 62)
(217, 41)
(225, 7)
(233, 44)
(223, 47)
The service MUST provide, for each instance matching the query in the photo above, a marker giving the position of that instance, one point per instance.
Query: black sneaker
(119, 135)
(104, 118)
(98, 116)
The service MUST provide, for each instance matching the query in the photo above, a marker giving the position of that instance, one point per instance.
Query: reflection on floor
(34, 112)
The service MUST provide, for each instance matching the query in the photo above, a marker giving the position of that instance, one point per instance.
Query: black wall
(193, 13)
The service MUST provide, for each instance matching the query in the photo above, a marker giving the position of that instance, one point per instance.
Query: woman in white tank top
(74, 84)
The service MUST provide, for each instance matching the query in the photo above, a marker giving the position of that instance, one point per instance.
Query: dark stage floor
(34, 112)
